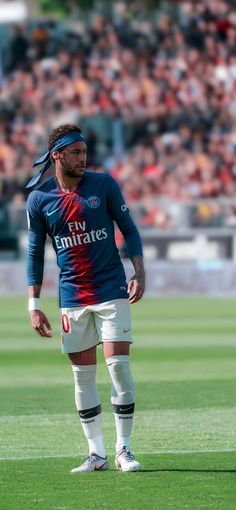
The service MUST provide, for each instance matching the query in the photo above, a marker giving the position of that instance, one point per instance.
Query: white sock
(124, 425)
(96, 445)
(89, 407)
(93, 431)
(122, 441)
(122, 398)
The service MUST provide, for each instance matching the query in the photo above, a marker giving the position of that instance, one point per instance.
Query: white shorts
(86, 326)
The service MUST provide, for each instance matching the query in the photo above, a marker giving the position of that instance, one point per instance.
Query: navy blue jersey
(81, 226)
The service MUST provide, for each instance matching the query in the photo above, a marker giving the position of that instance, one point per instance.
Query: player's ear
(56, 155)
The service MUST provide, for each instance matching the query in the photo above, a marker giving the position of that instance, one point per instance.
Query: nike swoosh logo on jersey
(126, 330)
(126, 408)
(52, 212)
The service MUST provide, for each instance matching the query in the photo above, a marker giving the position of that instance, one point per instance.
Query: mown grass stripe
(156, 452)
(167, 341)
(163, 395)
(37, 374)
(169, 430)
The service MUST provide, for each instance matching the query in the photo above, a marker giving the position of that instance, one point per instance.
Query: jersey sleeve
(36, 241)
(120, 214)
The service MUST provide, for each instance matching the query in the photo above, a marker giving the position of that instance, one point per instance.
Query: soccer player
(77, 209)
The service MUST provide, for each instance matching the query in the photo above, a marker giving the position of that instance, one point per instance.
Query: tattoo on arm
(34, 291)
(137, 262)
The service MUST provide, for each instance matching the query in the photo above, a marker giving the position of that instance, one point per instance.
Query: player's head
(61, 131)
(70, 159)
(67, 149)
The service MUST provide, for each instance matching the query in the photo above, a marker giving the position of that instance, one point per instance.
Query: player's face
(73, 159)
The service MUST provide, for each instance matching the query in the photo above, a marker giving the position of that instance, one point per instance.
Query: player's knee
(84, 375)
(123, 389)
(86, 394)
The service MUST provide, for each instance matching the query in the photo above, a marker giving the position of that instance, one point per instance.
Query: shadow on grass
(184, 470)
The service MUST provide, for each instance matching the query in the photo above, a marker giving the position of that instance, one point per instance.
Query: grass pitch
(184, 364)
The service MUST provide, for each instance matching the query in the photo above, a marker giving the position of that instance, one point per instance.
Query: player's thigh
(116, 349)
(78, 331)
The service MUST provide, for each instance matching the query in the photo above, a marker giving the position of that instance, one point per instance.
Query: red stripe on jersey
(78, 255)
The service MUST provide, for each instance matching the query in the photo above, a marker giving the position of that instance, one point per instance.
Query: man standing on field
(77, 210)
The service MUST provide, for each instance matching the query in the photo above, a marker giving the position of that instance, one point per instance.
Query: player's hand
(136, 287)
(40, 323)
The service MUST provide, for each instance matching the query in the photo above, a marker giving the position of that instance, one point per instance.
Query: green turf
(184, 363)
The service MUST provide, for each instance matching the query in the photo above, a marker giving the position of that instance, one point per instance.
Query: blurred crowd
(154, 92)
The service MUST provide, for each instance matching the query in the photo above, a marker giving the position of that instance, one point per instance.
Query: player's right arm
(35, 264)
(39, 320)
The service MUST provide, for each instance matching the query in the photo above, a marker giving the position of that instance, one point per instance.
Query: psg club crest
(93, 202)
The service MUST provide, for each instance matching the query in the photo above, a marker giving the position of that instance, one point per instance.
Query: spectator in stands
(155, 94)
(18, 48)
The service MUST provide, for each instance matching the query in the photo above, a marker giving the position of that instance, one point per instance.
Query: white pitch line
(157, 452)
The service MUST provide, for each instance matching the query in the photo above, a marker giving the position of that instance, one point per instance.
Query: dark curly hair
(62, 130)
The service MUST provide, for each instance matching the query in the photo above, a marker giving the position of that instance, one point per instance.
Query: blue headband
(59, 144)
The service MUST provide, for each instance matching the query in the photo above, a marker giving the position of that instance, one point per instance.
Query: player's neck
(67, 184)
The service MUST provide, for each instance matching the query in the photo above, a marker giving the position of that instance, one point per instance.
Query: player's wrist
(34, 304)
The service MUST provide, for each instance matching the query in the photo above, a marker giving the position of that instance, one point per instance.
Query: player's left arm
(136, 285)
(120, 214)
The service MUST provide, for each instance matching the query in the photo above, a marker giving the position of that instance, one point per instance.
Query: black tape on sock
(123, 409)
(90, 413)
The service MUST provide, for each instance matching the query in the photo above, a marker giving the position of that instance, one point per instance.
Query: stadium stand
(154, 93)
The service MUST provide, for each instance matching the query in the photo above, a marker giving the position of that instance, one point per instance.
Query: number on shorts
(65, 323)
